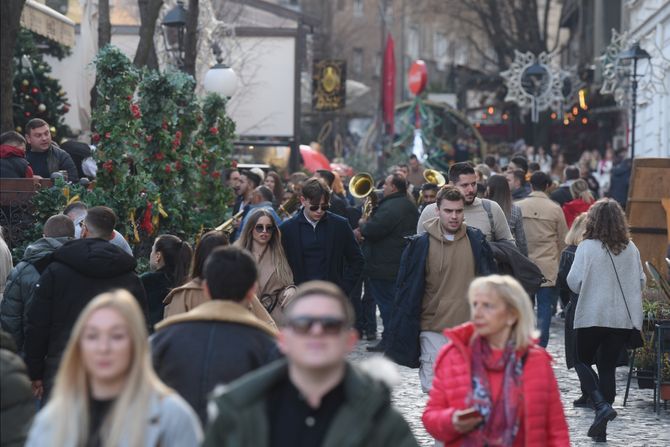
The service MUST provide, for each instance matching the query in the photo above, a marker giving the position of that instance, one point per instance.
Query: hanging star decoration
(617, 74)
(533, 82)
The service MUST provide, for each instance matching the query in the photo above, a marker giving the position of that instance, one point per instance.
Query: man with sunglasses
(319, 244)
(314, 397)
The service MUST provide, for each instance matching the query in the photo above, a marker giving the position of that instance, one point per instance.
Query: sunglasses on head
(324, 207)
(260, 228)
(329, 325)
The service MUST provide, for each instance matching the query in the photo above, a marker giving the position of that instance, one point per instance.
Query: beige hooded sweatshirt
(450, 268)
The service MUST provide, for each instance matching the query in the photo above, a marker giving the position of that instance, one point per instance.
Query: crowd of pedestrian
(243, 339)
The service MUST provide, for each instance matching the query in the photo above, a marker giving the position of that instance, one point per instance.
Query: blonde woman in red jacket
(493, 385)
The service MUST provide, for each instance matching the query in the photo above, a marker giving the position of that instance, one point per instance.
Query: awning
(48, 23)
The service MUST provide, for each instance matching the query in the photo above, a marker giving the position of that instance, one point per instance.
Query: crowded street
(320, 223)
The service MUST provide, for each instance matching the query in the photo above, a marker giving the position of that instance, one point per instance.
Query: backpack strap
(487, 207)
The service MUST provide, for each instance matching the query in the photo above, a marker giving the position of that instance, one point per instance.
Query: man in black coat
(319, 244)
(219, 340)
(384, 241)
(79, 271)
(44, 155)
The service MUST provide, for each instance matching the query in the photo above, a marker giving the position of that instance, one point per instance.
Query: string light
(575, 110)
(585, 120)
(553, 115)
(582, 99)
(505, 116)
(491, 110)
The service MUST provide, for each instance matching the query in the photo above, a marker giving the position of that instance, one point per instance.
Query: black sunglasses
(260, 228)
(324, 207)
(329, 325)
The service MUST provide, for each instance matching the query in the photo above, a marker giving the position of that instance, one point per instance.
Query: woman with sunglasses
(262, 238)
(186, 297)
(493, 385)
(106, 392)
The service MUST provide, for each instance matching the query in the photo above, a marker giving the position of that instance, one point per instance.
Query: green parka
(366, 418)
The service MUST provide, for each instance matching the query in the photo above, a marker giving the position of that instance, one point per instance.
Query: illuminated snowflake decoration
(617, 73)
(534, 82)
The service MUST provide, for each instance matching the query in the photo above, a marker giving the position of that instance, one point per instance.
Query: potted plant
(665, 377)
(645, 365)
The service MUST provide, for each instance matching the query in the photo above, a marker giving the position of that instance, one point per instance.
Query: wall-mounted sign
(328, 85)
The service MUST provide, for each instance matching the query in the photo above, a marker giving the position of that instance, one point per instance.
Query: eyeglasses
(304, 325)
(260, 228)
(323, 206)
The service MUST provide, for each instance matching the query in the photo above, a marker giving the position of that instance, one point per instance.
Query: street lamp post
(174, 30)
(635, 53)
(220, 78)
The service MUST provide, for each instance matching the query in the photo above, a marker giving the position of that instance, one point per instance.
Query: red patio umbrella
(313, 160)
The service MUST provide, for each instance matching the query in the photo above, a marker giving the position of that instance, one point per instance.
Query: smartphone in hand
(472, 413)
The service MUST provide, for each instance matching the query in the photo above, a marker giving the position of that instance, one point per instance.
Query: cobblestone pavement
(636, 426)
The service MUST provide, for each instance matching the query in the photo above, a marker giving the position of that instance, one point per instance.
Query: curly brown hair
(607, 223)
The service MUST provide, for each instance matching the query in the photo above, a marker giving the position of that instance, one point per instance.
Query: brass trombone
(287, 208)
(363, 186)
(434, 177)
(227, 226)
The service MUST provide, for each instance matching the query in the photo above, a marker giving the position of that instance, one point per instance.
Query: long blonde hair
(246, 240)
(580, 190)
(517, 301)
(576, 233)
(68, 410)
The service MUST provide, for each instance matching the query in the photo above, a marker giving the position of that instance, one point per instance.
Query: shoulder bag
(635, 339)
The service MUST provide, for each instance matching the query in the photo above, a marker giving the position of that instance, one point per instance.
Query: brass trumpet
(434, 177)
(227, 226)
(363, 186)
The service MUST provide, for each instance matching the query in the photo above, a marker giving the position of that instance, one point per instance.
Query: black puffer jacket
(17, 406)
(80, 270)
(21, 285)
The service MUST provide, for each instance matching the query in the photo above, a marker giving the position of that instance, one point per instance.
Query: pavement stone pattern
(636, 425)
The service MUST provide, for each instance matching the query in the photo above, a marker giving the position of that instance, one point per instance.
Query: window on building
(378, 62)
(414, 42)
(441, 50)
(357, 61)
(358, 8)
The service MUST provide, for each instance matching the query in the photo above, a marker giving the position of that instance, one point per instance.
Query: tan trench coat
(545, 228)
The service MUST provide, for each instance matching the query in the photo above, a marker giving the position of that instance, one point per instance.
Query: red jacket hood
(7, 151)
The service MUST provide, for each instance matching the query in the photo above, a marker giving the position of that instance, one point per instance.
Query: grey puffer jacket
(20, 285)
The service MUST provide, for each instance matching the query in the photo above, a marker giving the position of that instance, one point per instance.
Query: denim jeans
(364, 308)
(383, 293)
(546, 299)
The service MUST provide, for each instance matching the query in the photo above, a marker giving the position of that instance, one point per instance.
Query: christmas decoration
(533, 82)
(617, 74)
(36, 93)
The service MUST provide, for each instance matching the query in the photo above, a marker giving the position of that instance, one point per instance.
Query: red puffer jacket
(543, 419)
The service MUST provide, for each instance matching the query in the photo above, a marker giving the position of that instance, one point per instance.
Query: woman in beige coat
(262, 238)
(186, 297)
